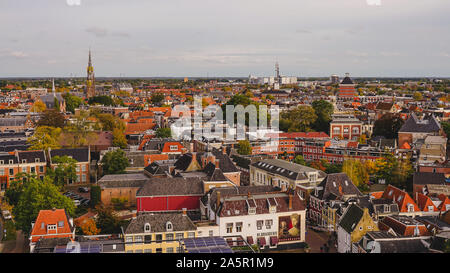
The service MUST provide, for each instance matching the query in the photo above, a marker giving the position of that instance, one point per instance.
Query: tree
(103, 100)
(323, 109)
(110, 122)
(388, 126)
(356, 171)
(14, 191)
(244, 147)
(119, 139)
(163, 133)
(38, 106)
(39, 195)
(45, 137)
(79, 132)
(64, 172)
(417, 96)
(72, 102)
(107, 222)
(95, 194)
(114, 162)
(89, 227)
(52, 118)
(299, 160)
(299, 119)
(157, 99)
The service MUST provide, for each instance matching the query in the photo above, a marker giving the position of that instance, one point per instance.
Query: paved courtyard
(317, 239)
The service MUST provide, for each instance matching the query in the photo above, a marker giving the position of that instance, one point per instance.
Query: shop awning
(261, 241)
(273, 240)
(250, 240)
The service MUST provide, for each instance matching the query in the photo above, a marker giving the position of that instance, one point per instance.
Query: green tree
(103, 100)
(64, 172)
(300, 160)
(45, 137)
(72, 102)
(119, 139)
(95, 194)
(14, 191)
(163, 133)
(39, 195)
(114, 162)
(299, 119)
(323, 109)
(52, 118)
(244, 147)
(157, 99)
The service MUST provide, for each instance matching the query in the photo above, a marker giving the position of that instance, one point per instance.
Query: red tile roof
(424, 202)
(148, 159)
(402, 198)
(51, 217)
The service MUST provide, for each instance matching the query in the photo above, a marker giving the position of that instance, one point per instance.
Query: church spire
(53, 88)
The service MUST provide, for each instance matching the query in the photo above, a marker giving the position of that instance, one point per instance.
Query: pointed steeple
(53, 88)
(90, 60)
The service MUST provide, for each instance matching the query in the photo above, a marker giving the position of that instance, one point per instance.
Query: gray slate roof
(171, 186)
(287, 169)
(351, 218)
(158, 222)
(429, 124)
(132, 180)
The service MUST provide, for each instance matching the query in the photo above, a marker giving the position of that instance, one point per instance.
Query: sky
(225, 38)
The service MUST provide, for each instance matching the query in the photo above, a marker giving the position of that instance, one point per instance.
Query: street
(316, 240)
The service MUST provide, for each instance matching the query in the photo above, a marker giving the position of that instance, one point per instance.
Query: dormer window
(252, 210)
(37, 160)
(24, 161)
(173, 147)
(272, 209)
(387, 208)
(169, 226)
(410, 208)
(11, 162)
(2, 162)
(147, 227)
(51, 227)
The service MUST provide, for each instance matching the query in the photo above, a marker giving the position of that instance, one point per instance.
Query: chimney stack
(218, 200)
(217, 163)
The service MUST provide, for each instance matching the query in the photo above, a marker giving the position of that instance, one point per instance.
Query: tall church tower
(90, 83)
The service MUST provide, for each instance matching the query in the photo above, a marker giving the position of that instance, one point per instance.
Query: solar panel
(207, 245)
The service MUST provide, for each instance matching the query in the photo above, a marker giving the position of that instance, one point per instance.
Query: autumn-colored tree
(45, 137)
(89, 227)
(245, 148)
(119, 139)
(356, 171)
(38, 106)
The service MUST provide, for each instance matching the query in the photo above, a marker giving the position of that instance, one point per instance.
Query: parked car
(6, 215)
(85, 202)
(76, 202)
(83, 189)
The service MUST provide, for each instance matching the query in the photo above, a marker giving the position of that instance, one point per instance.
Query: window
(346, 130)
(129, 251)
(180, 250)
(229, 227)
(11, 162)
(51, 227)
(78, 169)
(24, 169)
(211, 233)
(410, 208)
(252, 210)
(138, 239)
(42, 225)
(33, 169)
(159, 250)
(259, 224)
(269, 224)
(169, 250)
(37, 160)
(2, 171)
(61, 224)
(179, 236)
(387, 208)
(173, 147)
(147, 227)
(239, 227)
(430, 208)
(148, 250)
(83, 168)
(138, 251)
(24, 161)
(41, 169)
(169, 226)
(159, 238)
(169, 236)
(83, 178)
(191, 234)
(2, 162)
(355, 130)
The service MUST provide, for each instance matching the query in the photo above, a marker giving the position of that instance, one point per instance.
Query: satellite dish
(373, 247)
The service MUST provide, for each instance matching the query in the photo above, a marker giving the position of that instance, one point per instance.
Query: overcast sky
(51, 38)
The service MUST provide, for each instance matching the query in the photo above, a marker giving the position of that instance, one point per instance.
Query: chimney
(184, 212)
(53, 209)
(290, 201)
(224, 150)
(217, 163)
(218, 199)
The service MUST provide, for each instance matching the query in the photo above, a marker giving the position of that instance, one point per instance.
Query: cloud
(13, 53)
(303, 31)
